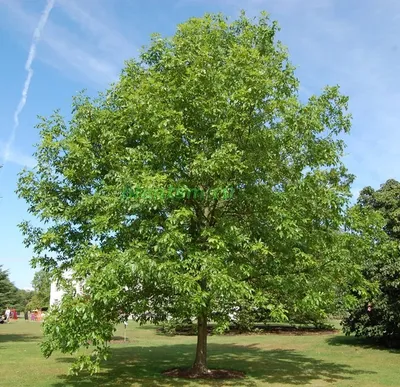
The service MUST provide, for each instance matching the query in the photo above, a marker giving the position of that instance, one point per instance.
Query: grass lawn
(268, 360)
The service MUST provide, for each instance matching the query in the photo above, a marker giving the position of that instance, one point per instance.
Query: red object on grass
(14, 314)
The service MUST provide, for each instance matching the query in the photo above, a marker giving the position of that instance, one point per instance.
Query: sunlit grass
(268, 360)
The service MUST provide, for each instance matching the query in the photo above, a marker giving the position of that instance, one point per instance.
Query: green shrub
(378, 316)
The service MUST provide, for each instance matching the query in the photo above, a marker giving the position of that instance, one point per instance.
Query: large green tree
(377, 312)
(215, 106)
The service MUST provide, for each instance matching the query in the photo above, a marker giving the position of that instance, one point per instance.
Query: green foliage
(8, 291)
(174, 326)
(214, 106)
(24, 297)
(382, 271)
(382, 321)
(91, 326)
(10, 295)
(41, 291)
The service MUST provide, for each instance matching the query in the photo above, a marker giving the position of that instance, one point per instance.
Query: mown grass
(268, 360)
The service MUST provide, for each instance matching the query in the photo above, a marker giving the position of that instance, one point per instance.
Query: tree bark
(200, 363)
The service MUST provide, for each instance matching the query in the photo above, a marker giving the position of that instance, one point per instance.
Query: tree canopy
(215, 106)
(377, 312)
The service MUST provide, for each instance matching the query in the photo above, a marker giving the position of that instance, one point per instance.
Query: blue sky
(83, 45)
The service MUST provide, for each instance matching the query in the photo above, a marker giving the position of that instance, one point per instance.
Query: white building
(56, 293)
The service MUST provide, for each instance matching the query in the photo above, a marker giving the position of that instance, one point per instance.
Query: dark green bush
(382, 321)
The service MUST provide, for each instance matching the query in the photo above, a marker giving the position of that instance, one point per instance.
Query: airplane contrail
(32, 52)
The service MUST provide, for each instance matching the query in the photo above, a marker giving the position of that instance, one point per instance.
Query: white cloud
(94, 51)
(15, 156)
(100, 26)
(355, 191)
(28, 67)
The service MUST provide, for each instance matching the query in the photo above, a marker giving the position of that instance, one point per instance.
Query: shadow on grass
(117, 338)
(361, 342)
(259, 329)
(143, 365)
(148, 327)
(7, 337)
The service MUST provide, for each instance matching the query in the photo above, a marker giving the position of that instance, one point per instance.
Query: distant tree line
(21, 299)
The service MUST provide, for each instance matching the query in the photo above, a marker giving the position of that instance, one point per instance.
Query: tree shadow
(7, 337)
(361, 342)
(190, 330)
(117, 338)
(149, 327)
(144, 365)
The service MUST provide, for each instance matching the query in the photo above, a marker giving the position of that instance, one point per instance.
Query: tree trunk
(200, 363)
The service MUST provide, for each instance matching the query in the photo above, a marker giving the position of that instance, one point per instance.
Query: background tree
(23, 299)
(8, 291)
(10, 295)
(377, 313)
(215, 106)
(41, 291)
